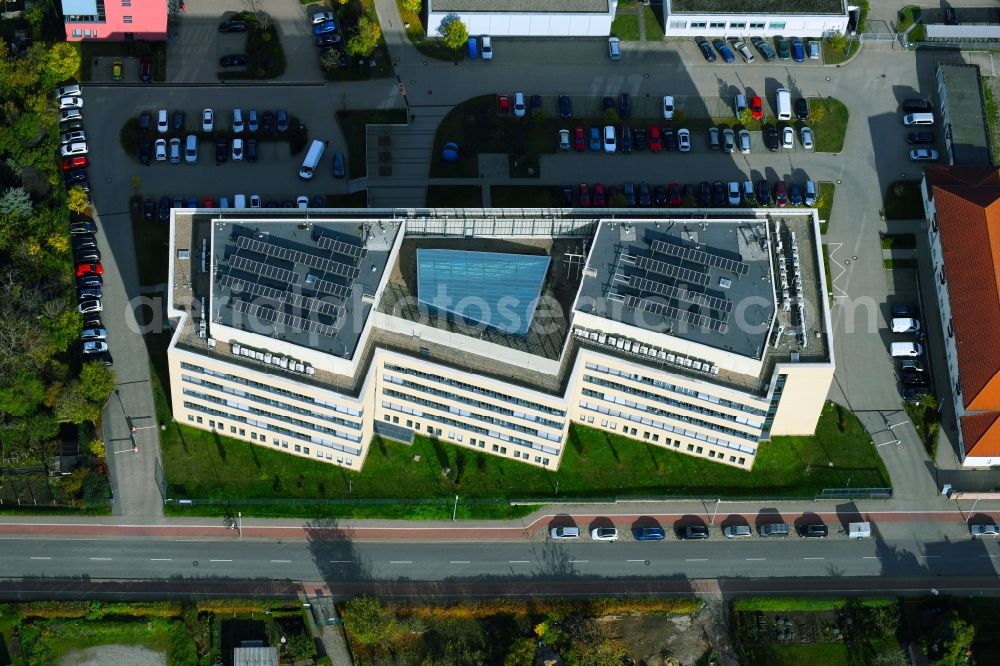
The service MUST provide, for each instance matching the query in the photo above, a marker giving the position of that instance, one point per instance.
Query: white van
(191, 149)
(918, 119)
(784, 104)
(312, 159)
(240, 201)
(905, 325)
(905, 349)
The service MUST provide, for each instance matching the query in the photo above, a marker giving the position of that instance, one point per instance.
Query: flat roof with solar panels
(300, 283)
(707, 282)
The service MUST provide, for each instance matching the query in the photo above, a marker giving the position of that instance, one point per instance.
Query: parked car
(87, 267)
(89, 294)
(744, 51)
(813, 47)
(145, 69)
(252, 121)
(798, 50)
(674, 196)
(984, 530)
(86, 307)
(327, 40)
(810, 195)
(234, 60)
(614, 48)
(177, 120)
(164, 208)
(175, 150)
(74, 176)
(655, 140)
(764, 48)
(94, 346)
(610, 139)
(645, 198)
(94, 334)
(565, 107)
(814, 531)
(737, 531)
(728, 140)
(486, 46)
(161, 150)
(784, 52)
(71, 149)
(624, 106)
(503, 104)
(771, 140)
(282, 120)
(660, 196)
(705, 194)
(919, 138)
(668, 107)
(917, 105)
(251, 150)
(233, 25)
(794, 194)
(221, 150)
(639, 139)
(324, 28)
(267, 122)
(599, 198)
(519, 107)
(73, 136)
(706, 49)
(763, 193)
(595, 140)
(339, 165)
(683, 140)
(323, 17)
(148, 210)
(70, 102)
(567, 196)
(83, 227)
(923, 155)
(70, 115)
(780, 194)
(744, 141)
(787, 137)
(558, 533)
(145, 121)
(625, 139)
(713, 138)
(628, 190)
(802, 108)
(724, 51)
(735, 196)
(75, 162)
(237, 150)
(692, 532)
(69, 90)
(584, 196)
(648, 533)
(756, 107)
(719, 197)
(604, 534)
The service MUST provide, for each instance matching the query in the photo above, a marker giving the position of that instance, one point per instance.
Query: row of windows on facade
(655, 438)
(482, 404)
(460, 438)
(314, 439)
(473, 415)
(690, 434)
(270, 402)
(469, 427)
(671, 402)
(471, 388)
(237, 379)
(674, 388)
(262, 438)
(732, 25)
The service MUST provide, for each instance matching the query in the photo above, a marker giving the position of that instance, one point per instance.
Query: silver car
(984, 530)
(744, 141)
(738, 531)
(94, 334)
(728, 140)
(95, 347)
(683, 140)
(744, 50)
(604, 534)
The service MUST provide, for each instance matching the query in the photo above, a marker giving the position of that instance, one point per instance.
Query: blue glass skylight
(490, 288)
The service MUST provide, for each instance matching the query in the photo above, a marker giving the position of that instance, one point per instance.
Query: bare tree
(263, 18)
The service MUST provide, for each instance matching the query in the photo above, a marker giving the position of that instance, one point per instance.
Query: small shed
(255, 656)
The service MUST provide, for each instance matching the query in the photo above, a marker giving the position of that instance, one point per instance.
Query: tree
(98, 381)
(413, 6)
(369, 623)
(77, 200)
(22, 397)
(301, 647)
(74, 406)
(97, 449)
(837, 41)
(746, 117)
(63, 62)
(73, 484)
(365, 38)
(520, 653)
(454, 32)
(15, 201)
(955, 640)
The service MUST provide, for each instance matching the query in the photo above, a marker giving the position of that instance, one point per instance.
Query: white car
(66, 115)
(71, 90)
(237, 152)
(70, 102)
(668, 107)
(94, 334)
(486, 47)
(71, 137)
(175, 150)
(94, 346)
(302, 201)
(86, 307)
(610, 139)
(807, 138)
(564, 139)
(744, 50)
(161, 150)
(519, 108)
(207, 120)
(735, 196)
(683, 140)
(323, 17)
(788, 138)
(238, 121)
(744, 138)
(161, 121)
(984, 529)
(70, 149)
(604, 534)
(923, 155)
(255, 201)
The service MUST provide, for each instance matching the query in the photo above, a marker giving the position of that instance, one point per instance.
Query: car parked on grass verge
(94, 346)
(648, 533)
(706, 49)
(604, 534)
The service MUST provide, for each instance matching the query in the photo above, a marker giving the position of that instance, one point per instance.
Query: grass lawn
(925, 418)
(992, 117)
(352, 126)
(813, 654)
(903, 201)
(529, 196)
(835, 56)
(830, 124)
(477, 128)
(654, 22)
(826, 270)
(45, 642)
(201, 464)
(626, 24)
(454, 196)
(432, 47)
(907, 17)
(825, 209)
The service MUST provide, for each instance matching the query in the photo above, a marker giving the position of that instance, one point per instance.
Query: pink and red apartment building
(115, 20)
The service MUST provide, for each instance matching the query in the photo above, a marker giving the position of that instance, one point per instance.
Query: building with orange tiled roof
(962, 204)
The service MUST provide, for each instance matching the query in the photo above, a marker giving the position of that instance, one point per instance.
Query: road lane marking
(696, 559)
(928, 557)
(341, 561)
(813, 558)
(871, 557)
(979, 556)
(519, 561)
(281, 561)
(102, 559)
(579, 561)
(400, 561)
(41, 558)
(161, 559)
(220, 560)
(459, 562)
(643, 561)
(756, 559)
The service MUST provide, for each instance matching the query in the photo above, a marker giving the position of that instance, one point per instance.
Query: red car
(75, 162)
(503, 103)
(780, 194)
(599, 199)
(584, 195)
(84, 269)
(655, 140)
(674, 193)
(579, 140)
(208, 203)
(756, 108)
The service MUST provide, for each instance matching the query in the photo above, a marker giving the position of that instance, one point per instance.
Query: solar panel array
(669, 270)
(332, 288)
(670, 312)
(699, 257)
(282, 296)
(267, 270)
(669, 291)
(295, 256)
(274, 316)
(340, 247)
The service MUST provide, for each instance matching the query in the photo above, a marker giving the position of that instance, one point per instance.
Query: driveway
(193, 55)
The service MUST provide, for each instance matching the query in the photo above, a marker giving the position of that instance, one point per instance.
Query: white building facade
(527, 18)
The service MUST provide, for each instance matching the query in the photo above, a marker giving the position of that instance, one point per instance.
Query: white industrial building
(754, 18)
(526, 18)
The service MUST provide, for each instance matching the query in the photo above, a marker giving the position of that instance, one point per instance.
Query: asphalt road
(896, 553)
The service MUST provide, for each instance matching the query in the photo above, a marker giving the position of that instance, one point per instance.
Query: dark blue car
(595, 138)
(706, 49)
(648, 533)
(724, 51)
(798, 51)
(565, 107)
(763, 193)
(324, 28)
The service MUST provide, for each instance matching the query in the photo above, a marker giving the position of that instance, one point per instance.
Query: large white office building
(754, 18)
(526, 18)
(310, 332)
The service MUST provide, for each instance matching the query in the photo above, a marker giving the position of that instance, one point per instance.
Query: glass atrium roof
(490, 288)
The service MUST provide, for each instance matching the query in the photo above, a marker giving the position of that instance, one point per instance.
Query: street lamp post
(454, 511)
(239, 516)
(717, 503)
(972, 511)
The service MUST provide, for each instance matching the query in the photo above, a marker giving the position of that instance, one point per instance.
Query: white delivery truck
(905, 349)
(905, 325)
(859, 530)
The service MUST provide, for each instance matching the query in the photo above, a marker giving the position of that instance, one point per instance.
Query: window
(496, 447)
(645, 435)
(263, 438)
(604, 423)
(698, 24)
(126, 19)
(232, 429)
(538, 459)
(656, 437)
(459, 437)
(503, 450)
(78, 33)
(284, 445)
(718, 24)
(409, 423)
(517, 454)
(757, 25)
(743, 461)
(699, 450)
(395, 419)
(190, 417)
(126, 3)
(211, 423)
(482, 444)
(690, 447)
(243, 433)
(298, 449)
(738, 26)
(545, 461)
(387, 418)
(732, 458)
(198, 419)
(472, 441)
(711, 454)
(451, 435)
(253, 436)
(678, 25)
(221, 427)
(776, 25)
